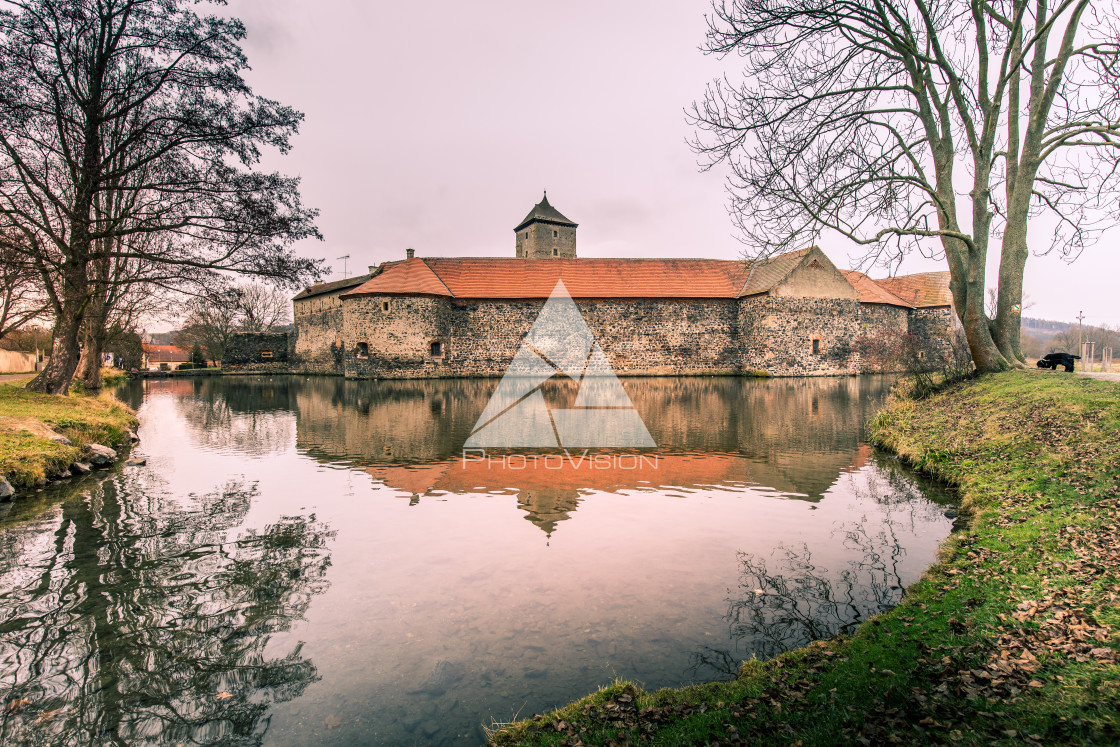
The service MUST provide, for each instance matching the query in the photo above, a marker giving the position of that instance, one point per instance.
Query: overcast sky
(437, 126)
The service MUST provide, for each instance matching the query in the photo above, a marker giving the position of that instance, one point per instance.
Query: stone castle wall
(639, 337)
(779, 335)
(878, 322)
(317, 341)
(644, 337)
(538, 240)
(255, 352)
(934, 329)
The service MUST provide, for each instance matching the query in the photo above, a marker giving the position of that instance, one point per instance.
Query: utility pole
(1080, 346)
(344, 257)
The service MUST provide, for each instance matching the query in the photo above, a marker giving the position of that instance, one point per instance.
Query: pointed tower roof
(545, 213)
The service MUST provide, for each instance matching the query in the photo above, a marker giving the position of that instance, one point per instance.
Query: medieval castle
(794, 314)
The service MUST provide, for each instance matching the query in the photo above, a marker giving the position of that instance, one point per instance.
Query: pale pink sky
(437, 125)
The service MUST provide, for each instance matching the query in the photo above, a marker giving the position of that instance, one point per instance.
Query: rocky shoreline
(94, 457)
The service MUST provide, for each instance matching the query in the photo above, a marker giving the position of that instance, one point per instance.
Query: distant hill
(1045, 327)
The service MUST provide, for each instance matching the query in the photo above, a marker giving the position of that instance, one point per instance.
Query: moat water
(312, 561)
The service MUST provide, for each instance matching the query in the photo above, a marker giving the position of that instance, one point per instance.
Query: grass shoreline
(1011, 638)
(29, 458)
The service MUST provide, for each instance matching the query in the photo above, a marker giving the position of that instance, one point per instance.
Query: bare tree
(213, 317)
(262, 308)
(210, 321)
(21, 294)
(120, 118)
(936, 125)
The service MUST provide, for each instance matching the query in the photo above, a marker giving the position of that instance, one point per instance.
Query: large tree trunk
(985, 353)
(1009, 298)
(1013, 256)
(94, 332)
(89, 366)
(56, 376)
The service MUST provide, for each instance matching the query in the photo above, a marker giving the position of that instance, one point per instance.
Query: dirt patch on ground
(1104, 376)
(35, 427)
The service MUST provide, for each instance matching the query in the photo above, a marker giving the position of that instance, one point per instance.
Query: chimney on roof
(372, 269)
(410, 252)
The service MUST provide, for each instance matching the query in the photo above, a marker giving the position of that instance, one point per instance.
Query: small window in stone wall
(816, 346)
(386, 306)
(436, 349)
(266, 353)
(555, 234)
(555, 252)
(363, 350)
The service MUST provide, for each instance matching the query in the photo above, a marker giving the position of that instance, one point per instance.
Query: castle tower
(546, 233)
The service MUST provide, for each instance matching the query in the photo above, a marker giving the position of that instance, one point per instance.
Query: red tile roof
(320, 288)
(477, 277)
(764, 274)
(512, 277)
(409, 277)
(871, 292)
(165, 353)
(924, 289)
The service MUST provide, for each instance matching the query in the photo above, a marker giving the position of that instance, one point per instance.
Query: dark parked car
(1053, 360)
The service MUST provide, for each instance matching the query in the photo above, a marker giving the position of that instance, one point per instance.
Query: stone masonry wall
(779, 335)
(317, 341)
(767, 334)
(934, 329)
(880, 322)
(537, 241)
(253, 352)
(639, 337)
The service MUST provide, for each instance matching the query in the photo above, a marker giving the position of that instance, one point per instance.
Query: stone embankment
(45, 438)
(93, 457)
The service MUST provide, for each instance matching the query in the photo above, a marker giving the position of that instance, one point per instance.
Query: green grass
(1010, 639)
(28, 460)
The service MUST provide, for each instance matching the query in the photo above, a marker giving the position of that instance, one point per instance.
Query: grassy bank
(28, 457)
(1010, 639)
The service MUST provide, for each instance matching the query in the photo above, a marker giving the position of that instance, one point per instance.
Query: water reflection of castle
(792, 438)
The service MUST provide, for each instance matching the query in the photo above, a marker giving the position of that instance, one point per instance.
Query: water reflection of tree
(787, 600)
(252, 417)
(801, 601)
(149, 624)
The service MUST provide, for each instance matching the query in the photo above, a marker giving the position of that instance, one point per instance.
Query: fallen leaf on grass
(15, 706)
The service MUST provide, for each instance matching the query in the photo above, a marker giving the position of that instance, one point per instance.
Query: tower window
(437, 349)
(555, 252)
(555, 234)
(363, 350)
(386, 306)
(816, 347)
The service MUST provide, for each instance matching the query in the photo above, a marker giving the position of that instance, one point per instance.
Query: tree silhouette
(149, 623)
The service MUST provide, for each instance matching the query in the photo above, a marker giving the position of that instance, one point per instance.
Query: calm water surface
(311, 561)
